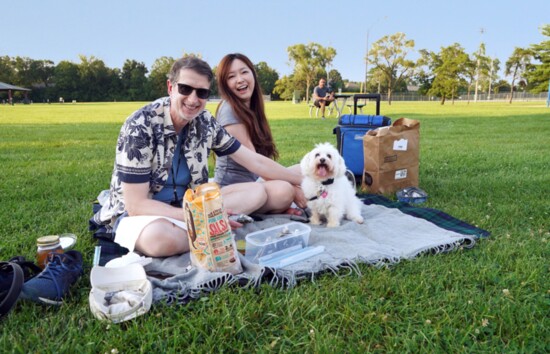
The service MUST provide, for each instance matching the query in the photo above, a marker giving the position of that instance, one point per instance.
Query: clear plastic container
(273, 242)
(412, 195)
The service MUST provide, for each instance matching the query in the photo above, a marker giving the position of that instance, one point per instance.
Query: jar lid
(67, 241)
(47, 240)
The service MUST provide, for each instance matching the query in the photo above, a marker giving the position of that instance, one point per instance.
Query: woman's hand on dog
(299, 197)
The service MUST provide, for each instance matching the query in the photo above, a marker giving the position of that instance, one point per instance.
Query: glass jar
(46, 245)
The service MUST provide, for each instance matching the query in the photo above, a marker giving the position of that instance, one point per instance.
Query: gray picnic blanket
(386, 237)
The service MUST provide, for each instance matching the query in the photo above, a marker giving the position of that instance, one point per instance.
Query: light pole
(367, 62)
(481, 31)
(367, 54)
(490, 81)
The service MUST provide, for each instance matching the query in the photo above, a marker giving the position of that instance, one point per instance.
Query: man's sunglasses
(186, 90)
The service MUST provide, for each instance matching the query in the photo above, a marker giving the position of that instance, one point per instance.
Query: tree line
(92, 81)
(446, 74)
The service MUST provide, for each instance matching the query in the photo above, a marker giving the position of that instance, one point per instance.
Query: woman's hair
(193, 63)
(252, 117)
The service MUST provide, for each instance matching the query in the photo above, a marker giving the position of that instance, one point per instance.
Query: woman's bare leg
(280, 195)
(161, 238)
(244, 198)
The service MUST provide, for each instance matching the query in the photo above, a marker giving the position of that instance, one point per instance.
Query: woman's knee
(280, 192)
(244, 197)
(162, 239)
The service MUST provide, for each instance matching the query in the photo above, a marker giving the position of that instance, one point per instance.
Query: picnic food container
(413, 195)
(120, 293)
(277, 241)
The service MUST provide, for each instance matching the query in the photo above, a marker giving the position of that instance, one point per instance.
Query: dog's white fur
(331, 201)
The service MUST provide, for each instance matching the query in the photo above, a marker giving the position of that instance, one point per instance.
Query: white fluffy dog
(329, 192)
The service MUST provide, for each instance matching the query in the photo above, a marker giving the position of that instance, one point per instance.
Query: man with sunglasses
(162, 150)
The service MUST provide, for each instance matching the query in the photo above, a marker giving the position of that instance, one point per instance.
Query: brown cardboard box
(391, 156)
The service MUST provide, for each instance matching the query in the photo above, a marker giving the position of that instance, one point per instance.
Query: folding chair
(328, 109)
(360, 104)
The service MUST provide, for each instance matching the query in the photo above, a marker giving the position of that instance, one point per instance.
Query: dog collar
(328, 181)
(322, 193)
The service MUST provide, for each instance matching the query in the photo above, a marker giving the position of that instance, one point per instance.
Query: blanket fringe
(466, 242)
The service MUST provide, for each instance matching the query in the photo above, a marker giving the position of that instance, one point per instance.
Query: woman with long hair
(241, 112)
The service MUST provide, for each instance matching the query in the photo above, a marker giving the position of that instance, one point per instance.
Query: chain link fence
(505, 96)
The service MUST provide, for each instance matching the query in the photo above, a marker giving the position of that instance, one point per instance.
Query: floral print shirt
(145, 150)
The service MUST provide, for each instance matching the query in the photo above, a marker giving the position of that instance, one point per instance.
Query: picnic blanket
(392, 232)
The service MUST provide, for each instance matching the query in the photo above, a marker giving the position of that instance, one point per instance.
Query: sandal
(11, 282)
(13, 274)
(30, 269)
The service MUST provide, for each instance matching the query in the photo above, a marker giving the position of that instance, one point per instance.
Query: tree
(471, 75)
(266, 77)
(308, 61)
(134, 81)
(493, 76)
(27, 72)
(158, 76)
(423, 74)
(43, 72)
(335, 79)
(377, 81)
(540, 74)
(388, 56)
(7, 72)
(42, 77)
(115, 92)
(285, 88)
(449, 68)
(501, 86)
(516, 66)
(95, 78)
(482, 68)
(67, 80)
(24, 75)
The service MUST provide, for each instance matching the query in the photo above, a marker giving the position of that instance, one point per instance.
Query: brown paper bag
(211, 242)
(391, 156)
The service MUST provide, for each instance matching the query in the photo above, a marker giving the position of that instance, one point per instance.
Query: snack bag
(211, 241)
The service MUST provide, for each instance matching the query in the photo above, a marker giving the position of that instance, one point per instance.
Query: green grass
(485, 163)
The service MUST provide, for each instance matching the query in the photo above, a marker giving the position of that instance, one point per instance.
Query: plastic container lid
(67, 241)
(275, 241)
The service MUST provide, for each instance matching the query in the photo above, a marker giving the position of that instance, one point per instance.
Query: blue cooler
(350, 131)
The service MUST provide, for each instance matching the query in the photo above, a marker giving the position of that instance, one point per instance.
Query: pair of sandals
(13, 274)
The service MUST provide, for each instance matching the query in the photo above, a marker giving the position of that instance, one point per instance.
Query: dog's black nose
(322, 160)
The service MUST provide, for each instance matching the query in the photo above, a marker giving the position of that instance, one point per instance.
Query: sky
(117, 30)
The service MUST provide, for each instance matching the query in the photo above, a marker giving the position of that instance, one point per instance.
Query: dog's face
(322, 163)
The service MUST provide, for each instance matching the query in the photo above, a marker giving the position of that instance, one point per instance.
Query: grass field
(485, 163)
